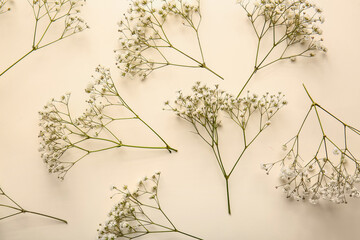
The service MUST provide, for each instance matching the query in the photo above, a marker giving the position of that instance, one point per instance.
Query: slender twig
(19, 210)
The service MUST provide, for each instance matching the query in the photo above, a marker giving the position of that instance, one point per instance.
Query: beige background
(192, 189)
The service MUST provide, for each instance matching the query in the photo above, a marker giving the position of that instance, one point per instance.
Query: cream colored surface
(192, 189)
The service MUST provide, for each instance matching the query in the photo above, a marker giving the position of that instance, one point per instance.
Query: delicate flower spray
(205, 108)
(16, 209)
(52, 18)
(291, 26)
(331, 174)
(145, 44)
(133, 216)
(61, 132)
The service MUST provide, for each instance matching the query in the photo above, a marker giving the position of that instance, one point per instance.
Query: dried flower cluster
(60, 131)
(132, 216)
(293, 27)
(144, 42)
(16, 209)
(54, 21)
(331, 174)
(205, 107)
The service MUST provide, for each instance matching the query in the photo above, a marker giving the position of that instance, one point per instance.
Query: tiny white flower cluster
(142, 30)
(61, 132)
(319, 178)
(129, 218)
(298, 19)
(241, 109)
(117, 225)
(54, 135)
(332, 175)
(102, 95)
(205, 104)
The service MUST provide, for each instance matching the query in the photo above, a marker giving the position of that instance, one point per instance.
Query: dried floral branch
(17, 209)
(333, 171)
(60, 131)
(133, 216)
(144, 36)
(203, 110)
(292, 27)
(50, 16)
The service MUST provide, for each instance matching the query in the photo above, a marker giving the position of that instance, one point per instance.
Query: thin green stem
(257, 51)
(319, 120)
(45, 215)
(3, 193)
(200, 47)
(219, 161)
(316, 105)
(149, 147)
(242, 89)
(21, 210)
(189, 235)
(204, 66)
(11, 215)
(138, 117)
(12, 65)
(228, 193)
(201, 64)
(316, 111)
(240, 156)
(36, 25)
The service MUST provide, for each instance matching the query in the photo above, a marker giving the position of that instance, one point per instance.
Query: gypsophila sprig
(52, 14)
(54, 20)
(292, 27)
(206, 107)
(331, 174)
(138, 213)
(145, 44)
(60, 131)
(15, 209)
